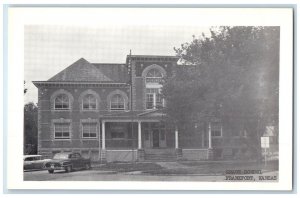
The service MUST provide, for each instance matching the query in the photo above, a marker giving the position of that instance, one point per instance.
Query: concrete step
(160, 151)
(160, 160)
(160, 157)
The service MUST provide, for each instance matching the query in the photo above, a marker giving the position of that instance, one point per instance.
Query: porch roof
(151, 115)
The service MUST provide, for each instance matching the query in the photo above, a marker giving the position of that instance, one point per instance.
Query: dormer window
(62, 102)
(117, 102)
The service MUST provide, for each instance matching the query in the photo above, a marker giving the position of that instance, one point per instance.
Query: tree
(232, 74)
(25, 89)
(30, 128)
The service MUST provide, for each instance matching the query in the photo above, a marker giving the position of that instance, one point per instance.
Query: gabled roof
(81, 70)
(116, 72)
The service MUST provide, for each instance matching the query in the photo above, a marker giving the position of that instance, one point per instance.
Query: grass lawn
(188, 167)
(214, 168)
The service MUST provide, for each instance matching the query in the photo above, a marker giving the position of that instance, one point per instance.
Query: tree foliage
(30, 128)
(25, 89)
(232, 74)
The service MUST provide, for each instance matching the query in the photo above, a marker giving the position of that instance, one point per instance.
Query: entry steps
(160, 154)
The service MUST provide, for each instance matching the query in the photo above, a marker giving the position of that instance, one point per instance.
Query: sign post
(265, 143)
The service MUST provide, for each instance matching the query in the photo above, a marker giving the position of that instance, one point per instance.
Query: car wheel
(68, 169)
(87, 166)
(51, 171)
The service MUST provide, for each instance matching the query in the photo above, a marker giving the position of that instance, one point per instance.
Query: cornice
(78, 84)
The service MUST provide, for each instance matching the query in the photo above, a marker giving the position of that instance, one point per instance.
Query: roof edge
(38, 83)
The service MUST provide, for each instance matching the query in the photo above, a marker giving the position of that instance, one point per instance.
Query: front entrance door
(155, 133)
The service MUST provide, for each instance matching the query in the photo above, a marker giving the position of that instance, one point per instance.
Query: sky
(48, 49)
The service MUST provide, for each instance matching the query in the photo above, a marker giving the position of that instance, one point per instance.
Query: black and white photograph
(144, 100)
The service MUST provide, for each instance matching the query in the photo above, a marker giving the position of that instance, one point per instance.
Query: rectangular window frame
(89, 105)
(216, 128)
(82, 130)
(62, 136)
(156, 101)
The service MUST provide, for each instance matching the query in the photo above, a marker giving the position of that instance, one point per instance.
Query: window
(89, 102)
(62, 102)
(216, 133)
(153, 98)
(153, 76)
(62, 130)
(216, 129)
(89, 130)
(117, 102)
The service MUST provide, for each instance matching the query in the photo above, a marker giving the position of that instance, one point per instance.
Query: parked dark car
(67, 161)
(34, 162)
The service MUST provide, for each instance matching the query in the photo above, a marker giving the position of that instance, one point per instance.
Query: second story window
(216, 129)
(117, 102)
(62, 102)
(153, 76)
(89, 102)
(153, 98)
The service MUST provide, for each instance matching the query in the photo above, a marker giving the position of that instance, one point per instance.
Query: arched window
(62, 102)
(153, 88)
(89, 102)
(153, 76)
(117, 102)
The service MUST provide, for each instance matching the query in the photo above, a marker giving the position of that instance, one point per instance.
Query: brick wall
(47, 115)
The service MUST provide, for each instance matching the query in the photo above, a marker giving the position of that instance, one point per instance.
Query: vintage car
(67, 161)
(34, 162)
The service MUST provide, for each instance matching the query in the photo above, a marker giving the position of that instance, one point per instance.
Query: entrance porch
(139, 140)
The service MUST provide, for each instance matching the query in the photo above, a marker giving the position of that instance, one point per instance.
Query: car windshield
(61, 156)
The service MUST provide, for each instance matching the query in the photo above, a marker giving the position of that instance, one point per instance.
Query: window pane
(117, 102)
(150, 101)
(66, 134)
(93, 135)
(89, 102)
(58, 134)
(85, 135)
(93, 106)
(85, 106)
(216, 133)
(62, 130)
(61, 102)
(89, 130)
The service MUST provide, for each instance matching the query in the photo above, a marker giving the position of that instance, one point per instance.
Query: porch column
(139, 135)
(103, 135)
(209, 135)
(176, 138)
